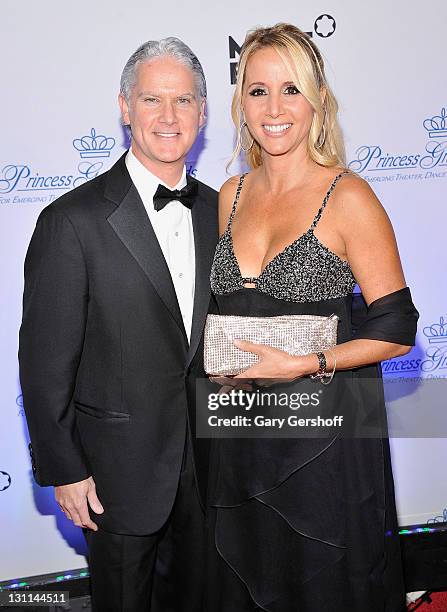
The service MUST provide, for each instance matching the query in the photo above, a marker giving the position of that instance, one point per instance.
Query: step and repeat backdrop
(61, 127)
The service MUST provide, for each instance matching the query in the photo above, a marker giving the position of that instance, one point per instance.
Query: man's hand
(73, 498)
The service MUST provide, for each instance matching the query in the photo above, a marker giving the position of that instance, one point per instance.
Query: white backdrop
(61, 65)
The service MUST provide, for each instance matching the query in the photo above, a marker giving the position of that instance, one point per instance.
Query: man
(116, 295)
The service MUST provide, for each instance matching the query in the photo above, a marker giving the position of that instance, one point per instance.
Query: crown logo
(95, 145)
(437, 332)
(437, 126)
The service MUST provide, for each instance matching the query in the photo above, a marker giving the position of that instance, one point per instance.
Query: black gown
(302, 525)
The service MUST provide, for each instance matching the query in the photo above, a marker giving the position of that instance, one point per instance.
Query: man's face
(164, 112)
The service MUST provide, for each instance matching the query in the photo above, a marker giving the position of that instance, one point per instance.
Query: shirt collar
(145, 181)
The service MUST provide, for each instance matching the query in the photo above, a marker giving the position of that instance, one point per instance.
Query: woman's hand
(230, 383)
(275, 366)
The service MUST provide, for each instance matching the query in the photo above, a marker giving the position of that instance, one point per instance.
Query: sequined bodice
(304, 271)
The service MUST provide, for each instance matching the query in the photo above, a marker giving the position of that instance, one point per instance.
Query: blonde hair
(303, 59)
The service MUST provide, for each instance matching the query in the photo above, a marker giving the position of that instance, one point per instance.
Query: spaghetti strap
(304, 270)
(326, 198)
(236, 199)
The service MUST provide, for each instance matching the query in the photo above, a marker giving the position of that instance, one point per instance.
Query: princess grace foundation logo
(21, 184)
(431, 362)
(376, 164)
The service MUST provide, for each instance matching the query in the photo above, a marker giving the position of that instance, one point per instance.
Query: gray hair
(172, 47)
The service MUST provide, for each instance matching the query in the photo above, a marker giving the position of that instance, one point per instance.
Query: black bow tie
(186, 196)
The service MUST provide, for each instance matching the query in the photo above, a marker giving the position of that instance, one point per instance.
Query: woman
(304, 525)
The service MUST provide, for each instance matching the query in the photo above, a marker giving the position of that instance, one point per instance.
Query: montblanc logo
(5, 481)
(324, 26)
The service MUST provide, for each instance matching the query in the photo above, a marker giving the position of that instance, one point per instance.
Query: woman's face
(278, 116)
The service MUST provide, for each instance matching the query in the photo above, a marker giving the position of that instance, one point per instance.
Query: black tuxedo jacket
(105, 364)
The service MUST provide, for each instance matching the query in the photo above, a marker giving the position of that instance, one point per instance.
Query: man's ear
(202, 118)
(124, 107)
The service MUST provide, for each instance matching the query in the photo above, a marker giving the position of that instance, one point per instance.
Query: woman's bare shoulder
(357, 203)
(229, 187)
(354, 189)
(227, 193)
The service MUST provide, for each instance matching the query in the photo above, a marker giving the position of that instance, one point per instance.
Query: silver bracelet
(322, 372)
(331, 375)
(321, 366)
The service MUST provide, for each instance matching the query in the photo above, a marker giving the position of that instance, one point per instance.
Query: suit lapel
(204, 220)
(132, 226)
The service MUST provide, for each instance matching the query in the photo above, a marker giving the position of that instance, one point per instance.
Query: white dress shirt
(173, 228)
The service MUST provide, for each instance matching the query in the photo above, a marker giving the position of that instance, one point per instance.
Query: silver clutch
(295, 334)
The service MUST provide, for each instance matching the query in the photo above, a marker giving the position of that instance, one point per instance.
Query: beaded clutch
(295, 334)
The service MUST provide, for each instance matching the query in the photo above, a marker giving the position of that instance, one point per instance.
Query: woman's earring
(322, 136)
(243, 137)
